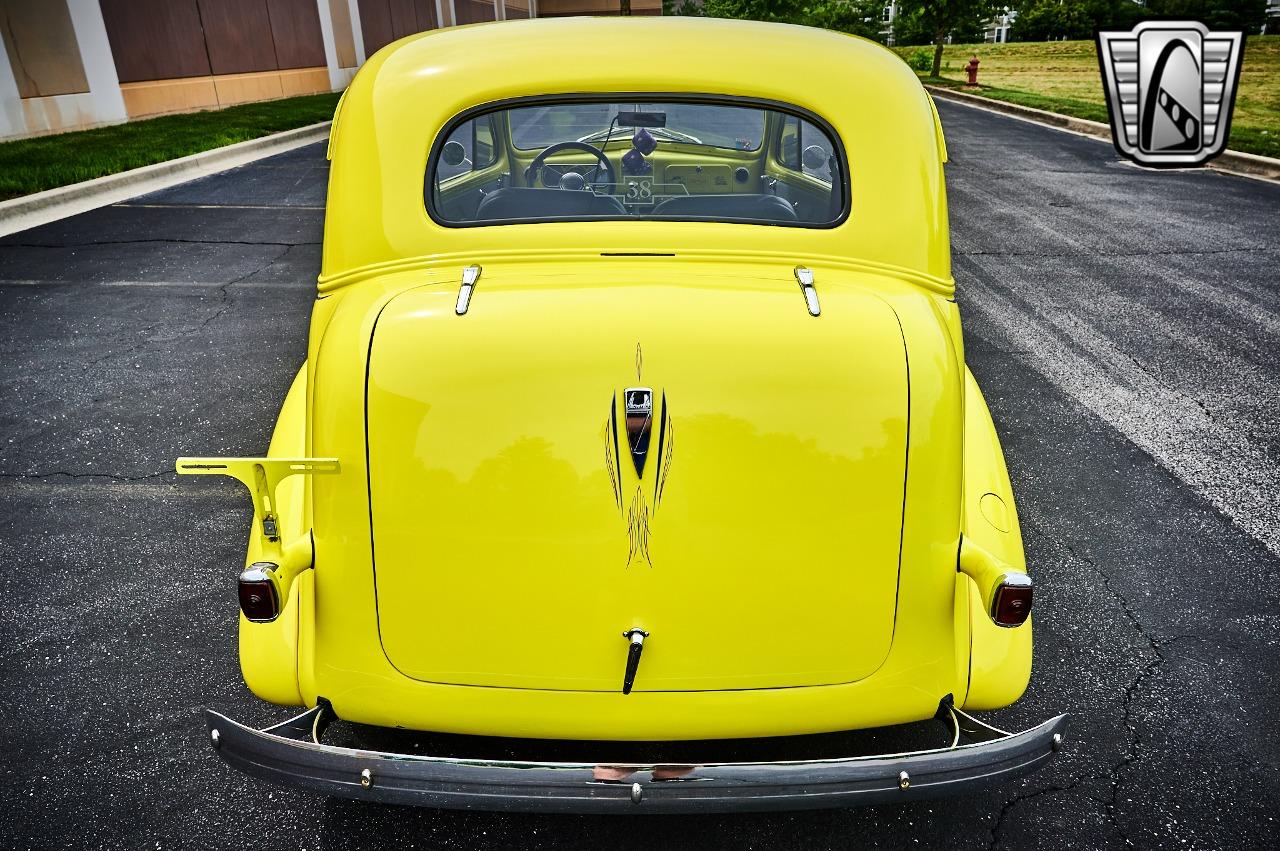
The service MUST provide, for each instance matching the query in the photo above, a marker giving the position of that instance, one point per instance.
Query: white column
(12, 121)
(357, 34)
(338, 78)
(106, 104)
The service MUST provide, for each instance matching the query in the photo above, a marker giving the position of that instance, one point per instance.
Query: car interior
(600, 159)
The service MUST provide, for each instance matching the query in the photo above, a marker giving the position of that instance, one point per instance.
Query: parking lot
(1124, 324)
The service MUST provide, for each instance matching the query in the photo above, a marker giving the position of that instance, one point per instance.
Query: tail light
(1011, 602)
(258, 598)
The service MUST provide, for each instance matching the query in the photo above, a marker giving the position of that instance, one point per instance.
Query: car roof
(409, 91)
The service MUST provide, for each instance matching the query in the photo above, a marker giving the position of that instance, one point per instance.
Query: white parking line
(1217, 456)
(217, 206)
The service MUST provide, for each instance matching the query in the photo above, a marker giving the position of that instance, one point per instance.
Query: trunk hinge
(470, 275)
(804, 277)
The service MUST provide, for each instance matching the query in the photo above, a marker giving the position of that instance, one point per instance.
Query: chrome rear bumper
(291, 753)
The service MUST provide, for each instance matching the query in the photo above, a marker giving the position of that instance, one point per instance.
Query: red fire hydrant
(972, 70)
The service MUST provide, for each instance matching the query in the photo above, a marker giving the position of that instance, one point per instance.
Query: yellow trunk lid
(514, 542)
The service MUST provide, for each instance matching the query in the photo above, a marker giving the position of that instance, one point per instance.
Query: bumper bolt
(904, 780)
(1057, 741)
(637, 793)
(366, 778)
(215, 737)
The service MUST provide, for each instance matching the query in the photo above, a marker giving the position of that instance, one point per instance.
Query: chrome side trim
(804, 276)
(470, 275)
(288, 754)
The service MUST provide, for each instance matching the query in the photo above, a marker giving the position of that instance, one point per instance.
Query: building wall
(56, 71)
(174, 55)
(71, 64)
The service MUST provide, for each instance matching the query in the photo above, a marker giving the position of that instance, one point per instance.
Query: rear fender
(999, 657)
(269, 651)
(280, 535)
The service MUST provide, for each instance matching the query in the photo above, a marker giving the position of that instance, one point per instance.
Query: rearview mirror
(642, 119)
(453, 153)
(814, 157)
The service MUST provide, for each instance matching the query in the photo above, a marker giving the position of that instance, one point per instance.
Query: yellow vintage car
(635, 408)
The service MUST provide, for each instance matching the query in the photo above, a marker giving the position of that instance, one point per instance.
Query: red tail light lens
(1011, 605)
(258, 598)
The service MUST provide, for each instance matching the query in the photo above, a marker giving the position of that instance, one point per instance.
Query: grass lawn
(32, 165)
(1062, 76)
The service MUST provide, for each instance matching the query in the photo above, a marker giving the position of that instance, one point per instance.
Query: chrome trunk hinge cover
(470, 275)
(804, 277)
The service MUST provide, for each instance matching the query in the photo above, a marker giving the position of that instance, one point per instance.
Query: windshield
(619, 159)
(538, 126)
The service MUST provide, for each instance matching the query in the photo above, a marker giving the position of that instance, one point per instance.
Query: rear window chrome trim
(447, 130)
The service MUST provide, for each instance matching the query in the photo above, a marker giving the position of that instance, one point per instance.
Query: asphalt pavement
(1124, 324)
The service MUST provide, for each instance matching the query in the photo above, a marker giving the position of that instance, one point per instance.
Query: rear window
(618, 159)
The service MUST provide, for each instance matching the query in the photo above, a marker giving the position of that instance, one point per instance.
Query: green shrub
(920, 60)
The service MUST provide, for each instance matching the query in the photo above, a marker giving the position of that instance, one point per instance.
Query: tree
(1051, 20)
(938, 18)
(1246, 15)
(681, 7)
(777, 11)
(859, 17)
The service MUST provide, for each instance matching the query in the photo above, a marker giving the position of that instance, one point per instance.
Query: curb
(18, 214)
(1231, 162)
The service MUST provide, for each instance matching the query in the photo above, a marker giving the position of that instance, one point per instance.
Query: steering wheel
(535, 168)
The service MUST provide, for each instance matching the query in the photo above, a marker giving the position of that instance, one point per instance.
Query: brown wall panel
(295, 29)
(155, 39)
(562, 8)
(384, 21)
(426, 10)
(475, 11)
(344, 42)
(404, 19)
(375, 25)
(238, 35)
(42, 47)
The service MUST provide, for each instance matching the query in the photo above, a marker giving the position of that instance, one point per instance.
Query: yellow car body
(813, 546)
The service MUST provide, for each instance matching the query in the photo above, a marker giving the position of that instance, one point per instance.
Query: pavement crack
(134, 348)
(1018, 799)
(1094, 252)
(224, 291)
(173, 240)
(225, 302)
(1115, 774)
(66, 474)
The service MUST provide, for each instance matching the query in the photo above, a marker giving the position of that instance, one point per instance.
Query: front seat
(518, 202)
(761, 208)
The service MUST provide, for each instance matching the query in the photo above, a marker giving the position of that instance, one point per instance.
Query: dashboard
(666, 180)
